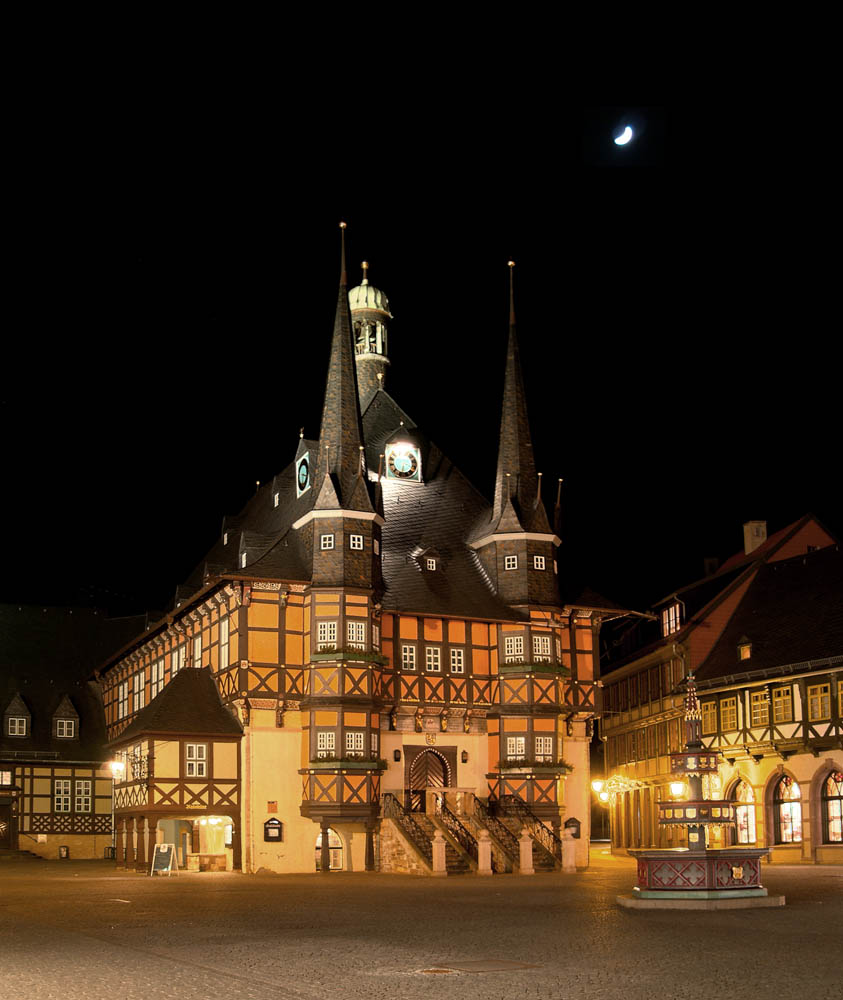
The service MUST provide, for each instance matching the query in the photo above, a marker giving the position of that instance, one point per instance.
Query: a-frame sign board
(164, 860)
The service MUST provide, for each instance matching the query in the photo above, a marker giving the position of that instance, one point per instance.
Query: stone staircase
(456, 862)
(542, 861)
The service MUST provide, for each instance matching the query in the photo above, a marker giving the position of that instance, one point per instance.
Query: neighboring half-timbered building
(764, 638)
(393, 652)
(55, 782)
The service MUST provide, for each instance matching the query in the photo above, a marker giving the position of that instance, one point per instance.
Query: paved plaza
(81, 929)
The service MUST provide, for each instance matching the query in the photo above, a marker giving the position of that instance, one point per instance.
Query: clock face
(303, 474)
(402, 462)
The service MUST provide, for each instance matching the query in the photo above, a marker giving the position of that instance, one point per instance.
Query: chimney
(754, 534)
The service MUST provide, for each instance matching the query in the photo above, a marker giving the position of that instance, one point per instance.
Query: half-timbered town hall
(372, 659)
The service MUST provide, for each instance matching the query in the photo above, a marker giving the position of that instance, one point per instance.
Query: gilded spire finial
(511, 264)
(365, 266)
(343, 277)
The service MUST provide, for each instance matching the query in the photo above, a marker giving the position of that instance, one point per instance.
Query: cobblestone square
(82, 929)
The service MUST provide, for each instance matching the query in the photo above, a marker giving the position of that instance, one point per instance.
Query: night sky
(173, 290)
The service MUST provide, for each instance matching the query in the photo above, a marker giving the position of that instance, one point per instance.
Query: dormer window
(744, 649)
(225, 538)
(430, 563)
(671, 619)
(276, 499)
(16, 725)
(243, 557)
(65, 729)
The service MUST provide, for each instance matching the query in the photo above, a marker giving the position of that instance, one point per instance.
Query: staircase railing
(392, 809)
(456, 829)
(539, 831)
(500, 831)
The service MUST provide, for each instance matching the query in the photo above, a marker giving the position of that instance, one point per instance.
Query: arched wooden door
(428, 770)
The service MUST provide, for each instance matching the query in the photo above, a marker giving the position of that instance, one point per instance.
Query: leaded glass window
(787, 811)
(832, 801)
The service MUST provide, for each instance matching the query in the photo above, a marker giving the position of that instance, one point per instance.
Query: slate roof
(189, 705)
(46, 656)
(791, 613)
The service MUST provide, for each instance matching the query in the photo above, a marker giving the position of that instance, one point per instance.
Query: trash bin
(64, 853)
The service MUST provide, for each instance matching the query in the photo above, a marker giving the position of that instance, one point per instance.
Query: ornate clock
(403, 461)
(303, 474)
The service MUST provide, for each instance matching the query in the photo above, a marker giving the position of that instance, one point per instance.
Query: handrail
(540, 831)
(456, 829)
(393, 810)
(500, 831)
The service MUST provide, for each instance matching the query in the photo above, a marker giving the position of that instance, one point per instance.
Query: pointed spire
(365, 266)
(516, 478)
(341, 432)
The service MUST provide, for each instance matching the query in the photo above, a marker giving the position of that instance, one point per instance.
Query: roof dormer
(65, 725)
(17, 719)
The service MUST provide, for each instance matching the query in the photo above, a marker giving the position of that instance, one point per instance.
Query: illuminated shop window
(832, 807)
(787, 811)
(744, 812)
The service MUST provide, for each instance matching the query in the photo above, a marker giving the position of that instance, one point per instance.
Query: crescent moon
(622, 140)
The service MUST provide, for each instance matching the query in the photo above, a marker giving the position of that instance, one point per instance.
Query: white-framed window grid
(156, 679)
(276, 499)
(355, 542)
(196, 760)
(16, 725)
(433, 659)
(515, 747)
(326, 742)
(122, 699)
(376, 636)
(510, 562)
(513, 648)
(356, 632)
(354, 743)
(538, 562)
(82, 795)
(544, 749)
(61, 795)
(326, 542)
(65, 729)
(244, 558)
(138, 692)
(430, 563)
(408, 657)
(197, 650)
(541, 648)
(326, 635)
(373, 742)
(457, 660)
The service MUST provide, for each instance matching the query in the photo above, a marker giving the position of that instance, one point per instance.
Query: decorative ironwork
(539, 831)
(392, 809)
(456, 829)
(500, 831)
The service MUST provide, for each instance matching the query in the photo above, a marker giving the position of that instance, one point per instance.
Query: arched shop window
(832, 802)
(744, 812)
(334, 846)
(787, 811)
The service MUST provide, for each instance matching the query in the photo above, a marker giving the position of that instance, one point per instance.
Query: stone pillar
(569, 851)
(140, 860)
(325, 852)
(484, 853)
(370, 848)
(236, 850)
(119, 849)
(440, 866)
(129, 854)
(151, 830)
(525, 842)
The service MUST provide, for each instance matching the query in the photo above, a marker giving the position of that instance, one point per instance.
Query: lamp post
(118, 768)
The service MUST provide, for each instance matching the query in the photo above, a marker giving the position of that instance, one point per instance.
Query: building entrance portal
(428, 770)
(5, 828)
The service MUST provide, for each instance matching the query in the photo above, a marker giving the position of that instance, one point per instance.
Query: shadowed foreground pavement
(81, 929)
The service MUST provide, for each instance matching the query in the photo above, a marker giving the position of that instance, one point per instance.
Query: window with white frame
(122, 699)
(376, 636)
(326, 635)
(457, 660)
(196, 760)
(728, 714)
(759, 708)
(276, 499)
(408, 657)
(510, 562)
(355, 542)
(515, 747)
(16, 725)
(177, 660)
(138, 693)
(82, 795)
(326, 743)
(671, 619)
(558, 648)
(61, 795)
(782, 704)
(138, 762)
(374, 744)
(433, 659)
(5, 777)
(544, 749)
(156, 681)
(431, 563)
(709, 717)
(354, 744)
(65, 729)
(541, 648)
(224, 643)
(225, 538)
(356, 634)
(326, 542)
(243, 559)
(197, 650)
(513, 648)
(538, 562)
